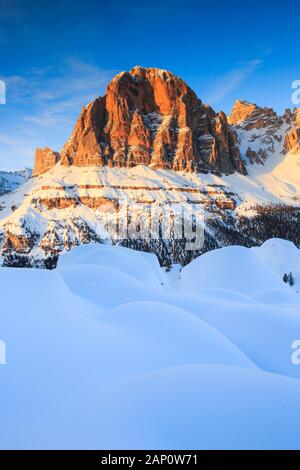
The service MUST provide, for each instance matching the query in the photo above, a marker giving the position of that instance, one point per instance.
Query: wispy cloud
(6, 139)
(51, 96)
(232, 80)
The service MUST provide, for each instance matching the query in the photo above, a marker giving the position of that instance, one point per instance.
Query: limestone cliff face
(149, 116)
(83, 147)
(292, 140)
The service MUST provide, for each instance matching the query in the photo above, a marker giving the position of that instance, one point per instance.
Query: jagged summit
(262, 133)
(149, 116)
(241, 111)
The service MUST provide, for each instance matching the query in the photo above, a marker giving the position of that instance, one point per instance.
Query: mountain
(11, 180)
(262, 133)
(149, 117)
(150, 150)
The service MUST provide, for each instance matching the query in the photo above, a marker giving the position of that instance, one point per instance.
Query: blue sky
(56, 56)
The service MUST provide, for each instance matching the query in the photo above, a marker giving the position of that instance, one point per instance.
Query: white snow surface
(109, 351)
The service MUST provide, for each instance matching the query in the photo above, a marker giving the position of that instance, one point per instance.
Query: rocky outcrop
(262, 133)
(292, 138)
(17, 244)
(151, 117)
(259, 157)
(250, 116)
(226, 151)
(56, 203)
(240, 112)
(45, 159)
(105, 204)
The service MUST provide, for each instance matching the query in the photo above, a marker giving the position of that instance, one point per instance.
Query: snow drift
(111, 351)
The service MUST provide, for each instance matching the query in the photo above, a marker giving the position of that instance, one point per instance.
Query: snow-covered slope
(123, 355)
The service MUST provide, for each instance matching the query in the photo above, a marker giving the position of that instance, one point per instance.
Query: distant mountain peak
(241, 111)
(11, 180)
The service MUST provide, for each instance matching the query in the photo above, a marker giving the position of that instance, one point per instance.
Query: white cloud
(38, 87)
(232, 80)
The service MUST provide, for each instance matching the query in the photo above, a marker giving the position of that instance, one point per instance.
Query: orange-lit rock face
(105, 204)
(149, 116)
(57, 203)
(250, 116)
(292, 140)
(241, 111)
(83, 148)
(45, 159)
(297, 116)
(17, 243)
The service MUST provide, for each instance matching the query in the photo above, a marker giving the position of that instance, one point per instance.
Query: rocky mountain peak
(249, 116)
(241, 111)
(262, 133)
(149, 116)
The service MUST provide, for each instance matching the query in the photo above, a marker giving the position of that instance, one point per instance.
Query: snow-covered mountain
(11, 180)
(150, 144)
(262, 133)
